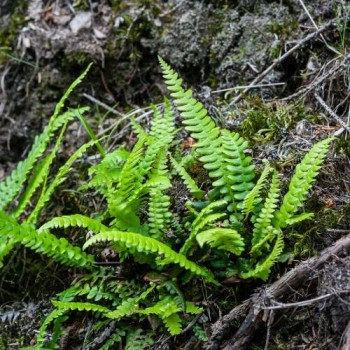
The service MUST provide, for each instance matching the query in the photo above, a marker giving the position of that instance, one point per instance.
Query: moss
(342, 145)
(284, 29)
(79, 58)
(270, 121)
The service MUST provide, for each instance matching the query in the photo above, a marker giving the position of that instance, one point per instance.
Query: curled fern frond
(148, 245)
(222, 238)
(300, 184)
(252, 198)
(75, 220)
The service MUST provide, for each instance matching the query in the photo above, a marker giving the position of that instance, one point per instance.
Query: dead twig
(331, 112)
(279, 290)
(281, 59)
(319, 80)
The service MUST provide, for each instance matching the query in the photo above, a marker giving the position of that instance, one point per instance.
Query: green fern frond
(252, 198)
(11, 186)
(58, 180)
(43, 329)
(188, 181)
(199, 124)
(158, 212)
(220, 151)
(266, 215)
(298, 218)
(238, 165)
(59, 250)
(137, 128)
(75, 220)
(203, 219)
(222, 238)
(300, 184)
(39, 175)
(71, 306)
(173, 324)
(46, 243)
(262, 269)
(150, 245)
(106, 174)
(130, 178)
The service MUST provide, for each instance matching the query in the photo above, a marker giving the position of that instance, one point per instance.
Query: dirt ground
(299, 93)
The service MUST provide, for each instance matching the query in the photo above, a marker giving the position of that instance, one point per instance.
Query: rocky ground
(299, 93)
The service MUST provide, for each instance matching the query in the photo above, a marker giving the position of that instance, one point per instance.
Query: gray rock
(82, 20)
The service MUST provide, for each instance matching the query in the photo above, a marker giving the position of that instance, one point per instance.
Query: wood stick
(279, 290)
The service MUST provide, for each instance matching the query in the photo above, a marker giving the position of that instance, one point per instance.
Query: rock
(82, 20)
(61, 19)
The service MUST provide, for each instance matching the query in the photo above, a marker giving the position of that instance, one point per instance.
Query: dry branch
(253, 308)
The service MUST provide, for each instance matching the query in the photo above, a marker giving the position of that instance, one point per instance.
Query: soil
(214, 45)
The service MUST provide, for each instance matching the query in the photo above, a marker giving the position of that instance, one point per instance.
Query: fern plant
(231, 221)
(19, 189)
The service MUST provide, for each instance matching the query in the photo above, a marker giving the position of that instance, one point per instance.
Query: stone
(82, 20)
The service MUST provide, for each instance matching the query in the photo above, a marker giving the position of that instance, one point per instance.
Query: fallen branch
(253, 308)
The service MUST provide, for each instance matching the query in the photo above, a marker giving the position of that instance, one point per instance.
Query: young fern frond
(173, 324)
(188, 181)
(262, 269)
(253, 197)
(107, 173)
(163, 125)
(222, 238)
(300, 184)
(148, 245)
(75, 220)
(266, 215)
